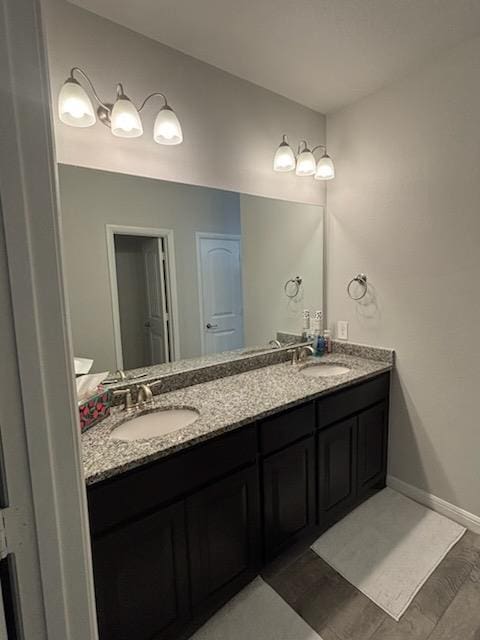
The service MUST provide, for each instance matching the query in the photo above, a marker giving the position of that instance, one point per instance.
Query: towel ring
(361, 279)
(296, 282)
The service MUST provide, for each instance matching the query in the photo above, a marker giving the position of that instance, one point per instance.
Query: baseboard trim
(468, 520)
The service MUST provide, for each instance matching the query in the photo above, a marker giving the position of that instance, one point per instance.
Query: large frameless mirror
(160, 271)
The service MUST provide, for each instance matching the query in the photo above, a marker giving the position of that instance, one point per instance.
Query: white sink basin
(324, 370)
(154, 424)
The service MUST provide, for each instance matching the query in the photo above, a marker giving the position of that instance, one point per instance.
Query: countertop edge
(97, 477)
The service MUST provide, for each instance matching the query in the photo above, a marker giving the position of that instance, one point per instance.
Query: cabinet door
(372, 447)
(223, 534)
(337, 470)
(141, 578)
(289, 495)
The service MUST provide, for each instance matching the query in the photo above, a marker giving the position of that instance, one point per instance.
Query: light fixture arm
(153, 95)
(320, 146)
(78, 98)
(90, 84)
(305, 146)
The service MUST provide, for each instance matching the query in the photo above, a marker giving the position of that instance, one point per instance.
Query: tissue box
(95, 409)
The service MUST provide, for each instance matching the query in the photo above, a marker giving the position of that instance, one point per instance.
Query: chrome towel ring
(361, 279)
(292, 287)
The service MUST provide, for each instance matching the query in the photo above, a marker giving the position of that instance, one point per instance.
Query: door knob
(212, 326)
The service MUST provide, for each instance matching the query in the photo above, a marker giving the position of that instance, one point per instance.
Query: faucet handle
(144, 394)
(127, 397)
(294, 353)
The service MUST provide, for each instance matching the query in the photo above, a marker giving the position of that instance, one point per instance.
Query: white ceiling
(322, 53)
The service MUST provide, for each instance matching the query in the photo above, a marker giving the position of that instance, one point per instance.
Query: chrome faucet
(300, 354)
(134, 397)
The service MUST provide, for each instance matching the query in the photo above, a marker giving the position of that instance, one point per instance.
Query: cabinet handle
(212, 326)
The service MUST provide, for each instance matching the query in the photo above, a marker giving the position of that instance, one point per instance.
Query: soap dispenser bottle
(319, 343)
(306, 325)
(327, 335)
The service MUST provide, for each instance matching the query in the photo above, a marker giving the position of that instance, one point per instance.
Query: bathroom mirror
(159, 271)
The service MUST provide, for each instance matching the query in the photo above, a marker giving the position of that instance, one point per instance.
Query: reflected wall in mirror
(159, 271)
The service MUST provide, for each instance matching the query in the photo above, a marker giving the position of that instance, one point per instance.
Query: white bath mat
(388, 547)
(256, 613)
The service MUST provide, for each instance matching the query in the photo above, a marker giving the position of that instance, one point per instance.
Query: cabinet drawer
(282, 429)
(352, 400)
(133, 493)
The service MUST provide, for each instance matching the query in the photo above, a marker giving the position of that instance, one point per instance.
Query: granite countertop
(224, 404)
(193, 370)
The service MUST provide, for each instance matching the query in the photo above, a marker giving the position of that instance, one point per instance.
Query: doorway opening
(144, 296)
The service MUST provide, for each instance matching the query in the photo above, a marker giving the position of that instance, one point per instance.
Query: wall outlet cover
(342, 330)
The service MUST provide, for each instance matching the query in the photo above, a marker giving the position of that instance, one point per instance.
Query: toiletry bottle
(327, 335)
(319, 341)
(306, 325)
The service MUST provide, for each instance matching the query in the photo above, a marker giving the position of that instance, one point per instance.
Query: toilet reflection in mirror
(160, 271)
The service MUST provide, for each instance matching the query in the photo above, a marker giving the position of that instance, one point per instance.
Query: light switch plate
(342, 330)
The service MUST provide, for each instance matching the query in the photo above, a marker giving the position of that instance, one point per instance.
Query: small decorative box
(95, 409)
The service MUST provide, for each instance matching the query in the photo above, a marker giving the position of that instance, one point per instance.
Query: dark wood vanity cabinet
(337, 470)
(224, 538)
(172, 541)
(352, 447)
(289, 496)
(372, 447)
(287, 446)
(141, 577)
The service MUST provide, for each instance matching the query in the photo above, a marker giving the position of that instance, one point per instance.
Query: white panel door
(156, 328)
(220, 293)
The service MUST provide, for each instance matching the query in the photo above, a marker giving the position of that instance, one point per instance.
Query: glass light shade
(167, 129)
(74, 106)
(325, 169)
(306, 163)
(125, 119)
(284, 159)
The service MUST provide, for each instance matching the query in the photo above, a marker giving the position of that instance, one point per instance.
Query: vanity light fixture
(284, 159)
(305, 163)
(325, 167)
(75, 108)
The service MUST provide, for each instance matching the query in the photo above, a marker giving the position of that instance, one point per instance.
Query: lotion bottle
(319, 340)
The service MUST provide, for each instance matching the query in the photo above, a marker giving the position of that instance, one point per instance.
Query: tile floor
(446, 608)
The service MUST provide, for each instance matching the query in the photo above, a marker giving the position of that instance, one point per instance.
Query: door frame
(46, 519)
(171, 278)
(205, 235)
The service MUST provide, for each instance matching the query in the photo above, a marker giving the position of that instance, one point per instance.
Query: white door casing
(220, 292)
(46, 521)
(171, 294)
(156, 318)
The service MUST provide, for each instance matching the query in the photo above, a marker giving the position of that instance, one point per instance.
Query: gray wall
(280, 240)
(404, 209)
(91, 199)
(231, 127)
